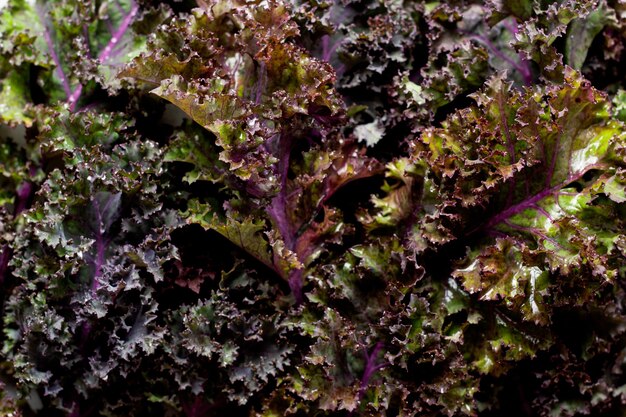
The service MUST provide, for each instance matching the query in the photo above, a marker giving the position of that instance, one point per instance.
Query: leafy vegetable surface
(336, 208)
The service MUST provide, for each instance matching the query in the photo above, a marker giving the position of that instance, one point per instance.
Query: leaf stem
(278, 207)
(532, 201)
(371, 367)
(524, 71)
(105, 54)
(53, 54)
(327, 49)
(279, 213)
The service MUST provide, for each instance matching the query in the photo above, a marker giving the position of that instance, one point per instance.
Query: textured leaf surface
(304, 208)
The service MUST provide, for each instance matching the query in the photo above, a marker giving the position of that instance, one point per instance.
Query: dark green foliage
(335, 208)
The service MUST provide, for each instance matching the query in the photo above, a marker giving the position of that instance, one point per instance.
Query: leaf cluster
(312, 208)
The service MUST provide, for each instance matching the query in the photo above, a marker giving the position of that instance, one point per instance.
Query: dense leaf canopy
(312, 208)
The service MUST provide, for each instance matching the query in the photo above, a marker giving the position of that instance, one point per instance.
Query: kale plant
(312, 208)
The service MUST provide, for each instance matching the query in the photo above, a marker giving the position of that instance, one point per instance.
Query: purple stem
(86, 36)
(98, 263)
(523, 70)
(327, 49)
(101, 241)
(544, 212)
(278, 211)
(119, 34)
(278, 206)
(535, 231)
(74, 96)
(295, 284)
(106, 52)
(325, 46)
(371, 367)
(530, 202)
(24, 192)
(55, 58)
(514, 29)
(495, 233)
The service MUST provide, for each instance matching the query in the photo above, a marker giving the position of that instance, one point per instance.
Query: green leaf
(14, 95)
(193, 146)
(582, 31)
(501, 272)
(247, 234)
